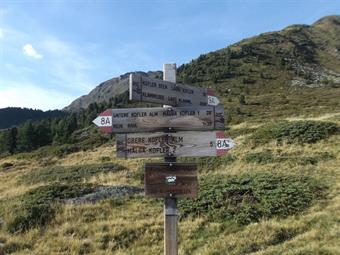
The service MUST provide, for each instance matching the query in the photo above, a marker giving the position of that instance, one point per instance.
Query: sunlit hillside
(272, 194)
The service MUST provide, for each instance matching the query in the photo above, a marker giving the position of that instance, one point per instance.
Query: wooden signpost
(146, 89)
(159, 119)
(184, 128)
(171, 180)
(179, 144)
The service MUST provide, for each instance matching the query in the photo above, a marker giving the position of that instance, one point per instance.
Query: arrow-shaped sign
(161, 119)
(179, 144)
(146, 89)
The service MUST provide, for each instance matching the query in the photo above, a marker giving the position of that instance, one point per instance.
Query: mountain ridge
(298, 55)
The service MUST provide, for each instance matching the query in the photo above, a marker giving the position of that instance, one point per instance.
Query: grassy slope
(135, 226)
(265, 67)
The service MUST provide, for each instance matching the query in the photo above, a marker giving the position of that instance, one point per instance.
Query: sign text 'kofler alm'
(190, 125)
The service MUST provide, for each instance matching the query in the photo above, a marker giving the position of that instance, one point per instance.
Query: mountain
(13, 116)
(304, 56)
(106, 90)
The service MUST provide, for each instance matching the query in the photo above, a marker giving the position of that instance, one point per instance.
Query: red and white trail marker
(223, 144)
(104, 121)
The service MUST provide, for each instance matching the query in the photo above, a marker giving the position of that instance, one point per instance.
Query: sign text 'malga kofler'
(146, 89)
(159, 118)
(179, 144)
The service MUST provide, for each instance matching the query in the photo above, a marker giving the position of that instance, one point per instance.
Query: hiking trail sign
(187, 127)
(161, 118)
(171, 180)
(179, 144)
(146, 89)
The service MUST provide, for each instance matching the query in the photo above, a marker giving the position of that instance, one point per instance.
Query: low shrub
(264, 134)
(250, 197)
(37, 207)
(259, 157)
(300, 132)
(266, 157)
(69, 173)
(305, 131)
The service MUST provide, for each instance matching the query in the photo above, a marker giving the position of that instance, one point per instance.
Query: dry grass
(136, 226)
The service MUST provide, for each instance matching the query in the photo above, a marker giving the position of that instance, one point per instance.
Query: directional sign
(179, 144)
(171, 180)
(159, 119)
(146, 89)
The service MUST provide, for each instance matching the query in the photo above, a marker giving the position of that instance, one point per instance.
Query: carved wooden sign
(146, 89)
(179, 144)
(159, 119)
(171, 180)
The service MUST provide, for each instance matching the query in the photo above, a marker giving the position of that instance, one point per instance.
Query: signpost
(171, 180)
(186, 127)
(146, 89)
(160, 118)
(179, 144)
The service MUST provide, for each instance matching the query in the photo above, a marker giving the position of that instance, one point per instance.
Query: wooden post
(170, 203)
(2, 250)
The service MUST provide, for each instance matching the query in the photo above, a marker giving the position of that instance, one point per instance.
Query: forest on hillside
(31, 135)
(14, 116)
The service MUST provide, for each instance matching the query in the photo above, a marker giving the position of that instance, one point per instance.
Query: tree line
(13, 116)
(31, 135)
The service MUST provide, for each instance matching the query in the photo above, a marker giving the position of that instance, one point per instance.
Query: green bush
(295, 132)
(250, 197)
(268, 157)
(305, 131)
(37, 207)
(260, 157)
(69, 173)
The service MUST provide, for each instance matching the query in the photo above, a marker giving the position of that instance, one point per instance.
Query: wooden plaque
(146, 89)
(171, 180)
(161, 119)
(179, 144)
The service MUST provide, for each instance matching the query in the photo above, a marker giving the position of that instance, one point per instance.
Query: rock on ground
(104, 192)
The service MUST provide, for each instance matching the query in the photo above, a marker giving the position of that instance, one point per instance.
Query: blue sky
(52, 52)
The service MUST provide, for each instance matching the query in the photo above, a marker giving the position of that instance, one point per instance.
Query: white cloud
(32, 96)
(31, 52)
(67, 65)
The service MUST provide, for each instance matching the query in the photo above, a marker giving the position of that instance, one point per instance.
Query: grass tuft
(69, 173)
